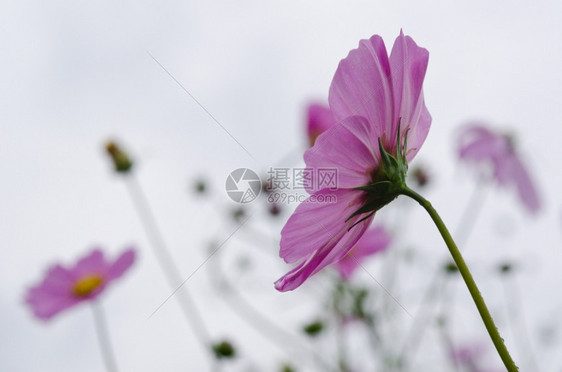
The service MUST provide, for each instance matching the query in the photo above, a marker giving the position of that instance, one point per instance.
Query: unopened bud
(505, 268)
(313, 329)
(239, 214)
(287, 368)
(224, 350)
(274, 209)
(451, 268)
(121, 160)
(421, 176)
(200, 187)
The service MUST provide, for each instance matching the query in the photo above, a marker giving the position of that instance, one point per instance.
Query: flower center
(313, 136)
(86, 285)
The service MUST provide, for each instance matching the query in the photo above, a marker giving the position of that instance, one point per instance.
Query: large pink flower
(63, 288)
(478, 144)
(371, 96)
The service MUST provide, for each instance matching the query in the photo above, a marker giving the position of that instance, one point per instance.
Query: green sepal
(387, 182)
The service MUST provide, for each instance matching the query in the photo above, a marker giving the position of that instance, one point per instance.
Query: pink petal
(92, 264)
(418, 130)
(319, 119)
(314, 222)
(480, 149)
(122, 264)
(58, 279)
(53, 294)
(318, 234)
(348, 147)
(45, 304)
(525, 187)
(478, 143)
(373, 241)
(330, 252)
(361, 85)
(408, 64)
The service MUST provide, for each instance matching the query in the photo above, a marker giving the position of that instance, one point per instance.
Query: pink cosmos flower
(373, 241)
(319, 120)
(371, 96)
(477, 144)
(63, 288)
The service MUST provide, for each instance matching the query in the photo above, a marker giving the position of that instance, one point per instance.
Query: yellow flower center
(86, 285)
(313, 136)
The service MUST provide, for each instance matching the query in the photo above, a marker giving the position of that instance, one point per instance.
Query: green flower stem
(467, 276)
(103, 337)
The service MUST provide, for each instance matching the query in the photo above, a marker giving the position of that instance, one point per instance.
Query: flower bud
(287, 368)
(505, 268)
(420, 176)
(313, 329)
(274, 209)
(450, 268)
(121, 160)
(224, 350)
(200, 187)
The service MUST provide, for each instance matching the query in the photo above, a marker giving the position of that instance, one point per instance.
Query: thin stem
(464, 228)
(434, 292)
(281, 337)
(103, 337)
(166, 261)
(340, 330)
(423, 317)
(470, 216)
(468, 279)
(517, 319)
(446, 338)
(377, 342)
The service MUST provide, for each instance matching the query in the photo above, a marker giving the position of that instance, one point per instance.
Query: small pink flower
(63, 288)
(373, 241)
(371, 96)
(477, 144)
(319, 120)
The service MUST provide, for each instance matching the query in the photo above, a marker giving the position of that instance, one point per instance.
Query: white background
(74, 74)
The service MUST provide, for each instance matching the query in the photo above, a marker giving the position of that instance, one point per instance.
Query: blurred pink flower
(319, 120)
(471, 357)
(371, 93)
(373, 241)
(63, 288)
(478, 144)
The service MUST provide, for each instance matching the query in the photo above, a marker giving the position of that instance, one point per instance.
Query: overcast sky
(74, 74)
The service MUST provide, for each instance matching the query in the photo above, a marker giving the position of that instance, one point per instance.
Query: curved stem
(166, 262)
(103, 338)
(281, 337)
(517, 319)
(434, 294)
(468, 279)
